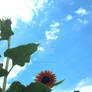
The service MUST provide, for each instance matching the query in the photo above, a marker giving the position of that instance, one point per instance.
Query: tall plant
(20, 55)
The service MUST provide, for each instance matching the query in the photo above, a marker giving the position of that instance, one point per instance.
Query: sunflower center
(46, 79)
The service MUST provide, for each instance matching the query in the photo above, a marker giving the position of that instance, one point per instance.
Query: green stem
(10, 69)
(6, 67)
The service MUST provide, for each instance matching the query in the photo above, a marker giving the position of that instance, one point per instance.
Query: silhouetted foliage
(16, 87)
(5, 28)
(21, 54)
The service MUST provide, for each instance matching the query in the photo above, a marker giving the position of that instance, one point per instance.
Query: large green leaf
(37, 87)
(5, 28)
(20, 55)
(16, 87)
(33, 87)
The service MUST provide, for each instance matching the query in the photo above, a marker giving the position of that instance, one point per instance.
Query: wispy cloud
(43, 21)
(68, 17)
(40, 48)
(82, 12)
(20, 9)
(82, 21)
(55, 25)
(84, 85)
(51, 34)
(84, 82)
(14, 72)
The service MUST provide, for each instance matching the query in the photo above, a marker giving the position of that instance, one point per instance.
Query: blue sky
(63, 29)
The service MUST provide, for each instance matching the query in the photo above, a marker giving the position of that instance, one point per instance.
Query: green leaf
(1, 65)
(21, 54)
(3, 72)
(58, 83)
(0, 89)
(16, 87)
(5, 28)
(33, 87)
(37, 87)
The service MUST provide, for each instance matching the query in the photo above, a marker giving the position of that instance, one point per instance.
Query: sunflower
(8, 21)
(3, 20)
(46, 78)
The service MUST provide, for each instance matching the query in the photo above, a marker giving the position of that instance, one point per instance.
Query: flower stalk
(6, 68)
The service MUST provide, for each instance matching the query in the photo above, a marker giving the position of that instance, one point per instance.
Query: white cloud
(86, 88)
(58, 90)
(81, 12)
(51, 34)
(68, 17)
(14, 72)
(43, 21)
(20, 9)
(55, 25)
(10, 63)
(84, 82)
(84, 85)
(51, 4)
(1, 82)
(82, 21)
(40, 48)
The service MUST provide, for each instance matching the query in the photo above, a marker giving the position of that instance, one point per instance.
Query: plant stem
(6, 68)
(10, 69)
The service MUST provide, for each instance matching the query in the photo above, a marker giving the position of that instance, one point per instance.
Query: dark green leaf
(0, 89)
(1, 65)
(58, 83)
(16, 87)
(3, 72)
(33, 87)
(20, 55)
(37, 87)
(5, 28)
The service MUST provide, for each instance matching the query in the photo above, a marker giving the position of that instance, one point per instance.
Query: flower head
(46, 78)
(8, 21)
